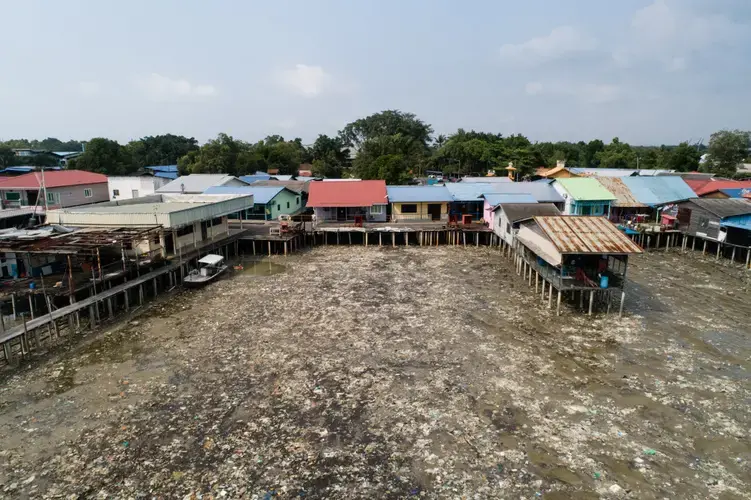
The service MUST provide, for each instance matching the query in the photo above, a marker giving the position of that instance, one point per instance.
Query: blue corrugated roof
(261, 194)
(163, 168)
(495, 199)
(250, 179)
(417, 194)
(24, 169)
(659, 190)
(471, 191)
(166, 175)
(541, 192)
(736, 192)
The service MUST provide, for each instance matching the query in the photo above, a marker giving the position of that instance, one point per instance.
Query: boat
(211, 267)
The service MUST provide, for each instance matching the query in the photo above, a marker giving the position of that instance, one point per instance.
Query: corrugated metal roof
(620, 172)
(495, 199)
(162, 168)
(585, 189)
(623, 195)
(297, 186)
(418, 194)
(712, 186)
(724, 207)
(654, 191)
(347, 194)
(197, 183)
(250, 179)
(736, 192)
(470, 191)
(572, 234)
(55, 178)
(491, 179)
(516, 212)
(542, 192)
(261, 194)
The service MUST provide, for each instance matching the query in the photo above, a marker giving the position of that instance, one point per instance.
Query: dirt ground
(351, 372)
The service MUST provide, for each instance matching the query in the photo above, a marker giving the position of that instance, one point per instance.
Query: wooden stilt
(623, 299)
(109, 307)
(380, 242)
(748, 256)
(140, 294)
(349, 234)
(732, 256)
(464, 238)
(610, 297)
(558, 304)
(127, 301)
(285, 244)
(269, 243)
(719, 247)
(13, 304)
(537, 275)
(406, 239)
(693, 243)
(393, 240)
(156, 288)
(254, 247)
(542, 295)
(591, 301)
(550, 296)
(581, 299)
(31, 306)
(704, 248)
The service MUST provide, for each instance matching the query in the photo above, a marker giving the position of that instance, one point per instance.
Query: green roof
(585, 189)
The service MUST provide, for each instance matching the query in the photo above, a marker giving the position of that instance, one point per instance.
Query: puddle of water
(260, 268)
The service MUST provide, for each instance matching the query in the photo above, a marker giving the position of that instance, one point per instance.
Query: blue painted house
(268, 201)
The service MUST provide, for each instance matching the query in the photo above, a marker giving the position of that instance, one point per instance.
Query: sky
(646, 71)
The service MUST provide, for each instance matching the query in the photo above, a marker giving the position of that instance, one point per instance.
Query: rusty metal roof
(624, 196)
(583, 234)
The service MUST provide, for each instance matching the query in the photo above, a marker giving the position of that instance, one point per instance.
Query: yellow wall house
(558, 172)
(426, 203)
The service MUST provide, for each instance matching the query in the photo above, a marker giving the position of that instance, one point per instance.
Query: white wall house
(129, 187)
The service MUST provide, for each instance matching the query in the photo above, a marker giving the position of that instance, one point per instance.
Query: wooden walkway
(43, 320)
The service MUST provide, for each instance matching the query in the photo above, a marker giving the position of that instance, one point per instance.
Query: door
(341, 214)
(434, 210)
(134, 193)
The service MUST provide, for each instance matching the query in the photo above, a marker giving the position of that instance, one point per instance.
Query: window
(216, 221)
(115, 192)
(508, 228)
(278, 207)
(586, 210)
(287, 204)
(12, 196)
(185, 230)
(410, 208)
(51, 197)
(376, 209)
(297, 200)
(87, 193)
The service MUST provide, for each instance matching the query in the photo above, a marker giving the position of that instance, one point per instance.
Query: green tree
(216, 156)
(104, 156)
(617, 154)
(387, 123)
(160, 150)
(682, 158)
(7, 157)
(727, 149)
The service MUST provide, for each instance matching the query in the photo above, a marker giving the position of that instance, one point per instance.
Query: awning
(211, 259)
(539, 245)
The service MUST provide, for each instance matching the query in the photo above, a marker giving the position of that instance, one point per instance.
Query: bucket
(603, 281)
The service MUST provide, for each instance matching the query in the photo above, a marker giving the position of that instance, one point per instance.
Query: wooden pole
(71, 291)
(704, 249)
(380, 239)
(719, 247)
(31, 306)
(623, 299)
(285, 244)
(254, 247)
(550, 296)
(591, 301)
(748, 260)
(393, 240)
(732, 256)
(558, 304)
(269, 242)
(406, 239)
(693, 243)
(537, 275)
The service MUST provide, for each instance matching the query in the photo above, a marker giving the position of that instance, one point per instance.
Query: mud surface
(379, 373)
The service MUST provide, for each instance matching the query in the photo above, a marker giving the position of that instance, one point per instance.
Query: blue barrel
(603, 281)
(32, 285)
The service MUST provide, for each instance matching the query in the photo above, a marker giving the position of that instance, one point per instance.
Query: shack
(660, 193)
(423, 203)
(509, 216)
(625, 206)
(584, 196)
(723, 220)
(349, 201)
(494, 200)
(575, 255)
(468, 200)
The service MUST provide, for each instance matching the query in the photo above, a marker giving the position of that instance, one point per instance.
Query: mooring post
(558, 305)
(591, 301)
(623, 299)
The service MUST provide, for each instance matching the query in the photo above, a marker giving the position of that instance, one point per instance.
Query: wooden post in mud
(393, 240)
(748, 256)
(581, 299)
(537, 276)
(109, 307)
(542, 295)
(732, 256)
(153, 282)
(464, 235)
(127, 301)
(719, 247)
(610, 297)
(337, 236)
(269, 248)
(31, 306)
(406, 239)
(349, 235)
(658, 240)
(558, 306)
(693, 243)
(254, 247)
(365, 237)
(140, 294)
(13, 304)
(530, 273)
(550, 295)
(379, 238)
(591, 301)
(623, 299)
(704, 249)
(285, 244)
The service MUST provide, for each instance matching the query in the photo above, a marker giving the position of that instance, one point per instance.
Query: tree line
(397, 147)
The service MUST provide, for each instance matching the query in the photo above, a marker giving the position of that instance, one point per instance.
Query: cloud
(593, 93)
(562, 42)
(670, 34)
(162, 88)
(308, 81)
(89, 89)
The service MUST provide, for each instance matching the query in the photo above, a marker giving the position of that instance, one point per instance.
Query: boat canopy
(211, 259)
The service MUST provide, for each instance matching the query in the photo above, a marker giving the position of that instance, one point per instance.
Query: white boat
(211, 267)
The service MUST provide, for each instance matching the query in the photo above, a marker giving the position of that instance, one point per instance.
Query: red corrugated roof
(52, 179)
(711, 187)
(347, 194)
(697, 184)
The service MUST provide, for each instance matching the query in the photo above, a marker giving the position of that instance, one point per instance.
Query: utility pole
(44, 193)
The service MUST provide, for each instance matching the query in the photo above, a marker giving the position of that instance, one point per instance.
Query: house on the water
(349, 201)
(723, 220)
(507, 217)
(722, 188)
(198, 183)
(493, 200)
(64, 188)
(421, 203)
(584, 196)
(269, 202)
(575, 254)
(468, 200)
(659, 194)
(520, 192)
(625, 206)
(126, 187)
